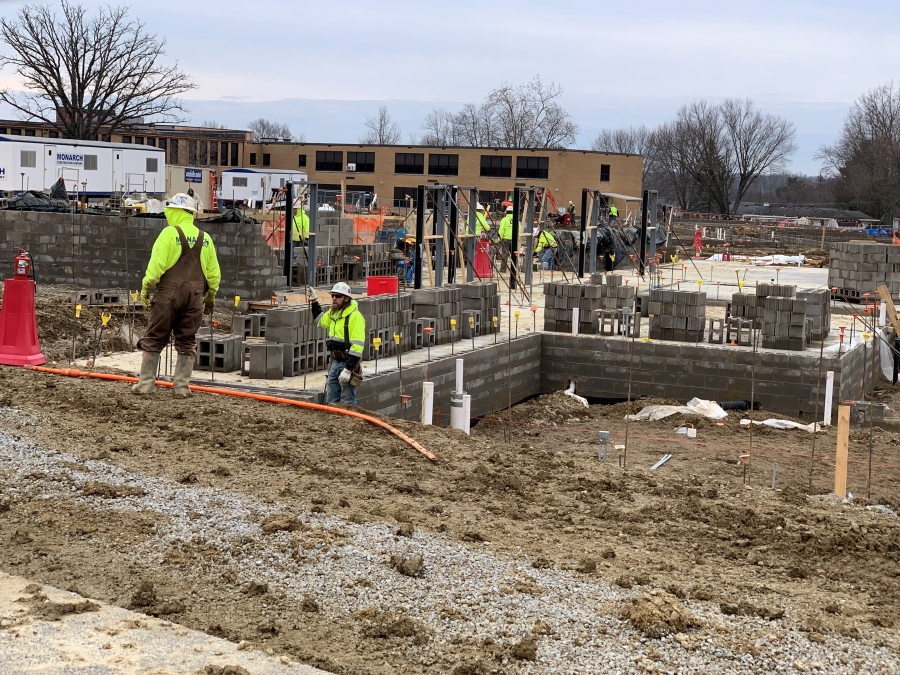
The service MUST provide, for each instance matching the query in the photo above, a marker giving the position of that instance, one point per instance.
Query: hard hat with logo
(182, 201)
(341, 289)
(509, 209)
(479, 206)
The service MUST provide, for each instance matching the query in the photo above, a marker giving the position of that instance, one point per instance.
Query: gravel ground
(465, 595)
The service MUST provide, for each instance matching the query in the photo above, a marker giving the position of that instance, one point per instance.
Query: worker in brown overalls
(184, 268)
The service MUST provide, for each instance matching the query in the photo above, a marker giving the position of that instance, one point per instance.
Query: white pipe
(456, 411)
(829, 393)
(428, 403)
(467, 413)
(459, 376)
(570, 391)
(575, 317)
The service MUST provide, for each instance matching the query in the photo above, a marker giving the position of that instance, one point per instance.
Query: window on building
(604, 173)
(16, 132)
(213, 153)
(29, 132)
(267, 159)
(90, 162)
(3, 130)
(106, 138)
(163, 145)
(203, 155)
(443, 165)
(365, 161)
(532, 167)
(252, 159)
(401, 194)
(409, 162)
(126, 139)
(328, 160)
(28, 159)
(241, 182)
(53, 134)
(173, 151)
(235, 160)
(152, 142)
(152, 165)
(497, 166)
(301, 160)
(224, 154)
(138, 140)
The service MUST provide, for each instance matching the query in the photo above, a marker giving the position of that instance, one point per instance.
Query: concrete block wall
(486, 380)
(785, 381)
(112, 252)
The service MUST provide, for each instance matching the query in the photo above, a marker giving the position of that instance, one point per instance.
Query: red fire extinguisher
(24, 265)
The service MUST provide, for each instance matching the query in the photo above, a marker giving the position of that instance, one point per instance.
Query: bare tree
(522, 116)
(86, 73)
(211, 124)
(631, 141)
(263, 128)
(382, 130)
(529, 116)
(865, 160)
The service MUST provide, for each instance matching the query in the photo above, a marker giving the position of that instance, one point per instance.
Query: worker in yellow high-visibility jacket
(504, 231)
(546, 248)
(184, 268)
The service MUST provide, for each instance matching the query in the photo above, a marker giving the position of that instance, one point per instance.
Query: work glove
(145, 297)
(208, 307)
(344, 377)
(311, 294)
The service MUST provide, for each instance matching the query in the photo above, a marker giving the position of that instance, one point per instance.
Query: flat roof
(443, 147)
(75, 143)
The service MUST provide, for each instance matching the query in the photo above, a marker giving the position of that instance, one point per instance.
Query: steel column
(581, 240)
(473, 240)
(421, 249)
(514, 244)
(288, 231)
(643, 250)
(311, 268)
(453, 194)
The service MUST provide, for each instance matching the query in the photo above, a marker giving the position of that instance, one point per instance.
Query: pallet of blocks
(857, 269)
(752, 305)
(435, 307)
(385, 315)
(784, 324)
(480, 306)
(608, 295)
(818, 313)
(301, 338)
(679, 316)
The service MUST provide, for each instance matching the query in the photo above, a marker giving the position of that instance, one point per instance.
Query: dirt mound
(555, 409)
(619, 410)
(657, 614)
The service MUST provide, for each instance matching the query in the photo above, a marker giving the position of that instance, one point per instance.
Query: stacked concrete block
(561, 298)
(481, 297)
(249, 325)
(221, 350)
(752, 305)
(385, 315)
(440, 305)
(265, 360)
(679, 316)
(857, 269)
(818, 313)
(784, 324)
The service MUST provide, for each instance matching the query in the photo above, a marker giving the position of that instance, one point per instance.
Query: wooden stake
(843, 446)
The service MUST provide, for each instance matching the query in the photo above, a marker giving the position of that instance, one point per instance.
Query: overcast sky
(323, 67)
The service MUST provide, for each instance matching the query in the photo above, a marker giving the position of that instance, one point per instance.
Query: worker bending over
(546, 242)
(184, 268)
(504, 231)
(345, 327)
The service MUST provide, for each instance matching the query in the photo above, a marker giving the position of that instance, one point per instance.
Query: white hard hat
(479, 206)
(341, 288)
(570, 201)
(509, 209)
(182, 201)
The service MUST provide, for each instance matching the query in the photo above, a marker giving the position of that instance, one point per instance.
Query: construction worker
(504, 231)
(613, 214)
(546, 242)
(570, 209)
(482, 227)
(299, 230)
(345, 327)
(184, 268)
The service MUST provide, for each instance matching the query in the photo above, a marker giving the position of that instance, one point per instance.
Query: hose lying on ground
(72, 372)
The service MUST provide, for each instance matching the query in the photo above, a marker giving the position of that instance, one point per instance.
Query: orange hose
(72, 372)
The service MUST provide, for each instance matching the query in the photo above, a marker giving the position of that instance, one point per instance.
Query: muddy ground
(691, 528)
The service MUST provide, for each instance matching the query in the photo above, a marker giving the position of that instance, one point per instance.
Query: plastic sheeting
(33, 200)
(785, 424)
(696, 406)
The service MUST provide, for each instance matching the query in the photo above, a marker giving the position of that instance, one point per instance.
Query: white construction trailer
(92, 168)
(254, 186)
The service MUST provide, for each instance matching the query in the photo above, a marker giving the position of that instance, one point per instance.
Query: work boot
(149, 368)
(184, 366)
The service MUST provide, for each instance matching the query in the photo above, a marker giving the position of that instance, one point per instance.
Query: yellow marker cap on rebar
(495, 322)
(77, 311)
(471, 322)
(376, 342)
(516, 313)
(237, 299)
(104, 318)
(699, 283)
(134, 296)
(453, 324)
(741, 285)
(397, 338)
